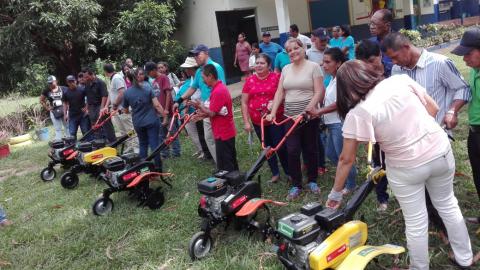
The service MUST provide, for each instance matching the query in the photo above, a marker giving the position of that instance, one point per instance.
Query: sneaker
(346, 191)
(322, 170)
(313, 187)
(5, 223)
(197, 153)
(382, 207)
(293, 193)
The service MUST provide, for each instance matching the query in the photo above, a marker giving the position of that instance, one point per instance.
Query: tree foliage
(63, 35)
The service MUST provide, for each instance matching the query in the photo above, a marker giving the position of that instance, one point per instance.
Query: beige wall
(199, 24)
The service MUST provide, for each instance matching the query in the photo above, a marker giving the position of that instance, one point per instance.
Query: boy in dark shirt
(220, 110)
(75, 108)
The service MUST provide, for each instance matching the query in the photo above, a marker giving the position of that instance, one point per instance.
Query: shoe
(382, 207)
(322, 170)
(274, 179)
(5, 223)
(201, 156)
(313, 187)
(346, 191)
(293, 193)
(197, 154)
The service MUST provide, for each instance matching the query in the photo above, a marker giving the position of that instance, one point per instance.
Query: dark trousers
(201, 137)
(473, 145)
(148, 136)
(82, 121)
(304, 140)
(273, 135)
(106, 131)
(322, 141)
(381, 187)
(226, 155)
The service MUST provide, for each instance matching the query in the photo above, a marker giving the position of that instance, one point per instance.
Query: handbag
(57, 112)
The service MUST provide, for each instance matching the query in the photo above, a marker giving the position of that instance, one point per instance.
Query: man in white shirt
(295, 33)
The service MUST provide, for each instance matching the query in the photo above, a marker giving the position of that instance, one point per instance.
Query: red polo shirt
(223, 127)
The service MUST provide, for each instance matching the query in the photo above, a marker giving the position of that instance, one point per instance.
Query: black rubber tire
(102, 206)
(69, 180)
(200, 245)
(156, 199)
(48, 174)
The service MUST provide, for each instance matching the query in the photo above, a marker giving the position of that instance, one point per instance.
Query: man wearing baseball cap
(200, 53)
(469, 48)
(75, 108)
(269, 47)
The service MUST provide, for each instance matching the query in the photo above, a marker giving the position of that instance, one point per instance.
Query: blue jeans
(148, 136)
(59, 125)
(334, 148)
(175, 144)
(273, 135)
(381, 186)
(3, 216)
(81, 121)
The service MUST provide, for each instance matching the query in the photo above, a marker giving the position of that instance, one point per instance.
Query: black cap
(470, 40)
(199, 48)
(149, 66)
(320, 33)
(266, 34)
(71, 78)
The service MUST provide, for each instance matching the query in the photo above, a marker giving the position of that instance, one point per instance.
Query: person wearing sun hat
(469, 48)
(202, 58)
(190, 67)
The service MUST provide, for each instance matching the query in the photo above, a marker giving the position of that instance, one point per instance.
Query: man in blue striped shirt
(435, 72)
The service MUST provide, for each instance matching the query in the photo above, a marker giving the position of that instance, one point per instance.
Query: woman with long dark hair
(398, 114)
(333, 59)
(145, 106)
(301, 89)
(258, 91)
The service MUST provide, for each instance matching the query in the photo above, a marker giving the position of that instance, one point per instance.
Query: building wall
(199, 24)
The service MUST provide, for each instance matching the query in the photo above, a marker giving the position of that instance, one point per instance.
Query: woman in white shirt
(333, 58)
(398, 114)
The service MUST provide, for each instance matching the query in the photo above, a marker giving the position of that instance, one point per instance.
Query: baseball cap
(320, 33)
(266, 34)
(70, 78)
(470, 40)
(51, 78)
(199, 48)
(189, 63)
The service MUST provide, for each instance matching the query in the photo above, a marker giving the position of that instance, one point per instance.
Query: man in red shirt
(220, 110)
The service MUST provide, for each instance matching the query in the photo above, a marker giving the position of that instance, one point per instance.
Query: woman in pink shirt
(397, 113)
(242, 54)
(258, 92)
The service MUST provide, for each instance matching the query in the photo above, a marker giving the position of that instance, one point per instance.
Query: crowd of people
(382, 90)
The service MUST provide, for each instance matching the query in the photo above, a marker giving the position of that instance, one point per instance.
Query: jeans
(408, 185)
(303, 141)
(473, 145)
(3, 216)
(81, 121)
(59, 125)
(334, 149)
(148, 136)
(273, 135)
(163, 135)
(106, 131)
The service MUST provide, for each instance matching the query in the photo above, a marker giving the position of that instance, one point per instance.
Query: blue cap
(320, 33)
(266, 34)
(71, 78)
(199, 48)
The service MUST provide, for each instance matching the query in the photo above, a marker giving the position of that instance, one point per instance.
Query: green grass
(13, 102)
(55, 229)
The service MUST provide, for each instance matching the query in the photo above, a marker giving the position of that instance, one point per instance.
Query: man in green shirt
(469, 48)
(282, 59)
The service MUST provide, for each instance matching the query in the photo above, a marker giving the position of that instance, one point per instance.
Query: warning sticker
(339, 251)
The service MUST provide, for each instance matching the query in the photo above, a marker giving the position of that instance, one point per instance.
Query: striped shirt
(440, 77)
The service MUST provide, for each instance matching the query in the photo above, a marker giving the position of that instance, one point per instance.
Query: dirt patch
(7, 173)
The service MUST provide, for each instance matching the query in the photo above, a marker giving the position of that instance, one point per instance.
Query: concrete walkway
(236, 89)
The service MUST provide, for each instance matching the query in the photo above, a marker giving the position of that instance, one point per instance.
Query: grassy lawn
(13, 102)
(55, 229)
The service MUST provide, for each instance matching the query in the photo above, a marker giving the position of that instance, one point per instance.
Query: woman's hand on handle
(270, 117)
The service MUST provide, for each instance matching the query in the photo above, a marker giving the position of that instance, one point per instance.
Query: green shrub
(34, 81)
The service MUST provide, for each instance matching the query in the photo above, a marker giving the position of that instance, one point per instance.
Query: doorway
(230, 24)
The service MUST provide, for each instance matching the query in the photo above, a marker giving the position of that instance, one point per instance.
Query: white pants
(209, 139)
(193, 134)
(408, 185)
(58, 125)
(123, 125)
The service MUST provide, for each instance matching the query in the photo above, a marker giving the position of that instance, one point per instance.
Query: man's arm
(454, 81)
